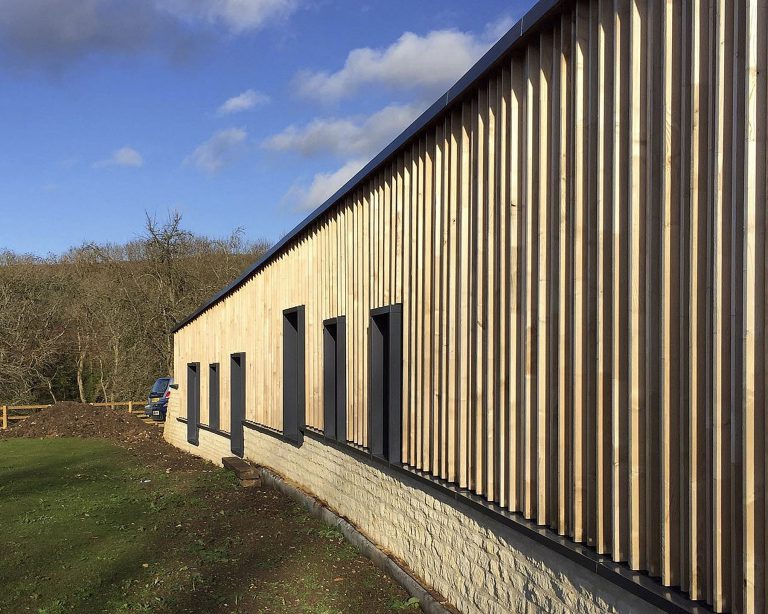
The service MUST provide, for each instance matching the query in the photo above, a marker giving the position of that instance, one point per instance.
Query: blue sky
(237, 113)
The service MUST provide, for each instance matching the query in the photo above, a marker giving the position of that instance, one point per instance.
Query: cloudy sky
(238, 113)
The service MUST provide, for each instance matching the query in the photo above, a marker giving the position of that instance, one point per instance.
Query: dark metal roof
(527, 24)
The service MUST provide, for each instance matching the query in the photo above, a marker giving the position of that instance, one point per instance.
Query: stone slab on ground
(247, 474)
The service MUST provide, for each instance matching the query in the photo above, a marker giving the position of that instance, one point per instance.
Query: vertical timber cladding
(578, 245)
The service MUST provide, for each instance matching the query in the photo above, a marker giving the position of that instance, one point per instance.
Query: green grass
(78, 522)
(84, 529)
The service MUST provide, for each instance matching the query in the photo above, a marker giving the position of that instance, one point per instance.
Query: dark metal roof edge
(539, 12)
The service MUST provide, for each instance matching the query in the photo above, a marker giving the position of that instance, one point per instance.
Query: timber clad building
(524, 349)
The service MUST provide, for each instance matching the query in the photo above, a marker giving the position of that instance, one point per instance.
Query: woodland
(94, 324)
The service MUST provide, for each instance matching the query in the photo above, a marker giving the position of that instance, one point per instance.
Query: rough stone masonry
(479, 565)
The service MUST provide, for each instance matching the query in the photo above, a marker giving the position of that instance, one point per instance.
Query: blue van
(157, 402)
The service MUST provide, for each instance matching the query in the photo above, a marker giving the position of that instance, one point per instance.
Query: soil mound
(70, 419)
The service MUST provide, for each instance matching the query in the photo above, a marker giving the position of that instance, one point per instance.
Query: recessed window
(293, 373)
(237, 402)
(193, 402)
(335, 379)
(386, 369)
(213, 396)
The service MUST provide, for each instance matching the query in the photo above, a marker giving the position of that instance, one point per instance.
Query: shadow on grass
(81, 532)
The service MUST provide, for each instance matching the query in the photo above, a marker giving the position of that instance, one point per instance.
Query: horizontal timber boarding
(578, 243)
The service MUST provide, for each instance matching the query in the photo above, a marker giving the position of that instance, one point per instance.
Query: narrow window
(193, 402)
(237, 402)
(213, 396)
(386, 370)
(335, 379)
(293, 373)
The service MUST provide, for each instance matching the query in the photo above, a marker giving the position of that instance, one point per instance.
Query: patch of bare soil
(259, 552)
(70, 419)
(216, 548)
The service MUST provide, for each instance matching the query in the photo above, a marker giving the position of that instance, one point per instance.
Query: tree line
(93, 324)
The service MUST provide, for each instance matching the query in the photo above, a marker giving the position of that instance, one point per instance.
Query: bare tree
(95, 323)
(31, 329)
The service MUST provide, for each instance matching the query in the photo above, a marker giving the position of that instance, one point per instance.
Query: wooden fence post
(6, 409)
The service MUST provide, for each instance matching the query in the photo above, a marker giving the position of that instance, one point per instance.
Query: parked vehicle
(157, 402)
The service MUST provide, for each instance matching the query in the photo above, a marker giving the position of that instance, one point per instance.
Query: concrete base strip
(367, 548)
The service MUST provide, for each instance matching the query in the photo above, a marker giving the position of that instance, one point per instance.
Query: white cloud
(51, 34)
(218, 151)
(235, 15)
(348, 136)
(358, 137)
(422, 65)
(125, 156)
(428, 64)
(496, 29)
(243, 102)
(306, 197)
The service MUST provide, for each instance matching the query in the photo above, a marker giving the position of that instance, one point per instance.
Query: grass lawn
(84, 528)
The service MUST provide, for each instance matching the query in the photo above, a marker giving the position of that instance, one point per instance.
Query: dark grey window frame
(335, 378)
(193, 403)
(385, 399)
(214, 396)
(237, 403)
(294, 397)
